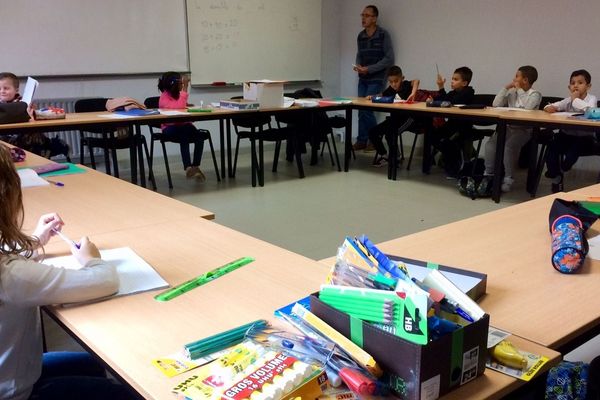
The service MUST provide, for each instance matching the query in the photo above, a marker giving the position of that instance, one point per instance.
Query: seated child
(452, 137)
(26, 285)
(174, 95)
(13, 110)
(570, 143)
(519, 94)
(398, 87)
(9, 93)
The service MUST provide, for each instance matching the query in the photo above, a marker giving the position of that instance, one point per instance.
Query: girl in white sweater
(25, 285)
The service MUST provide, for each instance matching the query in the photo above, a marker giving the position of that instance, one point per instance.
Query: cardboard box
(239, 104)
(415, 371)
(269, 94)
(474, 293)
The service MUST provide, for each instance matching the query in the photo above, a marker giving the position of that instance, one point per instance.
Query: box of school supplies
(415, 371)
(472, 283)
(268, 93)
(239, 104)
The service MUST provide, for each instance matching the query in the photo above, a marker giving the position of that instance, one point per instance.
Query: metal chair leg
(214, 157)
(167, 167)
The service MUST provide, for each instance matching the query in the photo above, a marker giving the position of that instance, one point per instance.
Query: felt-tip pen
(65, 238)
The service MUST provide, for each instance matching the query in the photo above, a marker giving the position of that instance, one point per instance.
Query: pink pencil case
(42, 169)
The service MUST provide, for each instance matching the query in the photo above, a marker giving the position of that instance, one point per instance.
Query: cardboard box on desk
(416, 371)
(269, 94)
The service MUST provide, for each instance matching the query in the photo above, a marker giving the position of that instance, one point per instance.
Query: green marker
(202, 279)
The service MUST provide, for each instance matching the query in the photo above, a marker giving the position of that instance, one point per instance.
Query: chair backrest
(250, 121)
(91, 105)
(485, 99)
(548, 100)
(151, 102)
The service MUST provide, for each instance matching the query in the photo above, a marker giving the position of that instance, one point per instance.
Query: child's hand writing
(86, 251)
(411, 97)
(46, 224)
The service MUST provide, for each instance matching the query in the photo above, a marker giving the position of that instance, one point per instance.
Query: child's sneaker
(199, 175)
(507, 184)
(380, 162)
(190, 171)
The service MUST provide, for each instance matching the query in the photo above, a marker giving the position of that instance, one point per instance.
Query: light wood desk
(525, 295)
(95, 119)
(128, 332)
(94, 202)
(495, 385)
(501, 117)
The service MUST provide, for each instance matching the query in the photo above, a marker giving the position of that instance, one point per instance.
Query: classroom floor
(311, 216)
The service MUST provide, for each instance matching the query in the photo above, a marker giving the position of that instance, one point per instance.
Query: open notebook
(135, 274)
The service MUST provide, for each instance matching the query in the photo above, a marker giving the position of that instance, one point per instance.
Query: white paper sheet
(172, 112)
(116, 116)
(30, 178)
(29, 91)
(511, 109)
(135, 274)
(594, 247)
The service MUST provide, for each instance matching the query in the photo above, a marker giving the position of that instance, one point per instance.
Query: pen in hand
(65, 238)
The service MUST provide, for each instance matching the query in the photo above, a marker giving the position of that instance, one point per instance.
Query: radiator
(70, 137)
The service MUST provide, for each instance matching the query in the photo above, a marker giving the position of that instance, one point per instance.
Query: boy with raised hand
(519, 93)
(398, 88)
(571, 143)
(451, 136)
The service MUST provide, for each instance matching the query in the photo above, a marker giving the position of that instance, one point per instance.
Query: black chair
(322, 125)
(110, 140)
(156, 134)
(257, 129)
(480, 129)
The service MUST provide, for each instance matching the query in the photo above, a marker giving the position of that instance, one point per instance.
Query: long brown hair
(12, 240)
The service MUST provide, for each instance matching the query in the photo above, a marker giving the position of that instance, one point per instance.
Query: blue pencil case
(382, 99)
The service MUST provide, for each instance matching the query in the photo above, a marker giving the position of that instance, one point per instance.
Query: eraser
(219, 83)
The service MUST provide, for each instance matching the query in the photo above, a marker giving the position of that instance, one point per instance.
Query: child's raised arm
(441, 81)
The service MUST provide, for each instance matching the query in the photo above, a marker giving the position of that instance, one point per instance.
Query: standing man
(375, 55)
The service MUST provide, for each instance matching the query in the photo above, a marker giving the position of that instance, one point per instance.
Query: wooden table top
(525, 295)
(93, 202)
(128, 332)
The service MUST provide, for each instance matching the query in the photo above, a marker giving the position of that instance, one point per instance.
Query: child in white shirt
(566, 147)
(519, 94)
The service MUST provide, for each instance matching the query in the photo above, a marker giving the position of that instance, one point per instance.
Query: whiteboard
(239, 40)
(83, 37)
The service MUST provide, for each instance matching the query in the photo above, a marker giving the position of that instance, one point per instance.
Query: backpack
(472, 183)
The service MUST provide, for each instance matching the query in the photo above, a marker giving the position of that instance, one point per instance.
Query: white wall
(493, 38)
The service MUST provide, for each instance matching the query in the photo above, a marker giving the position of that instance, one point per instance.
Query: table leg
(132, 154)
(140, 152)
(222, 146)
(533, 154)
(348, 139)
(499, 160)
(229, 166)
